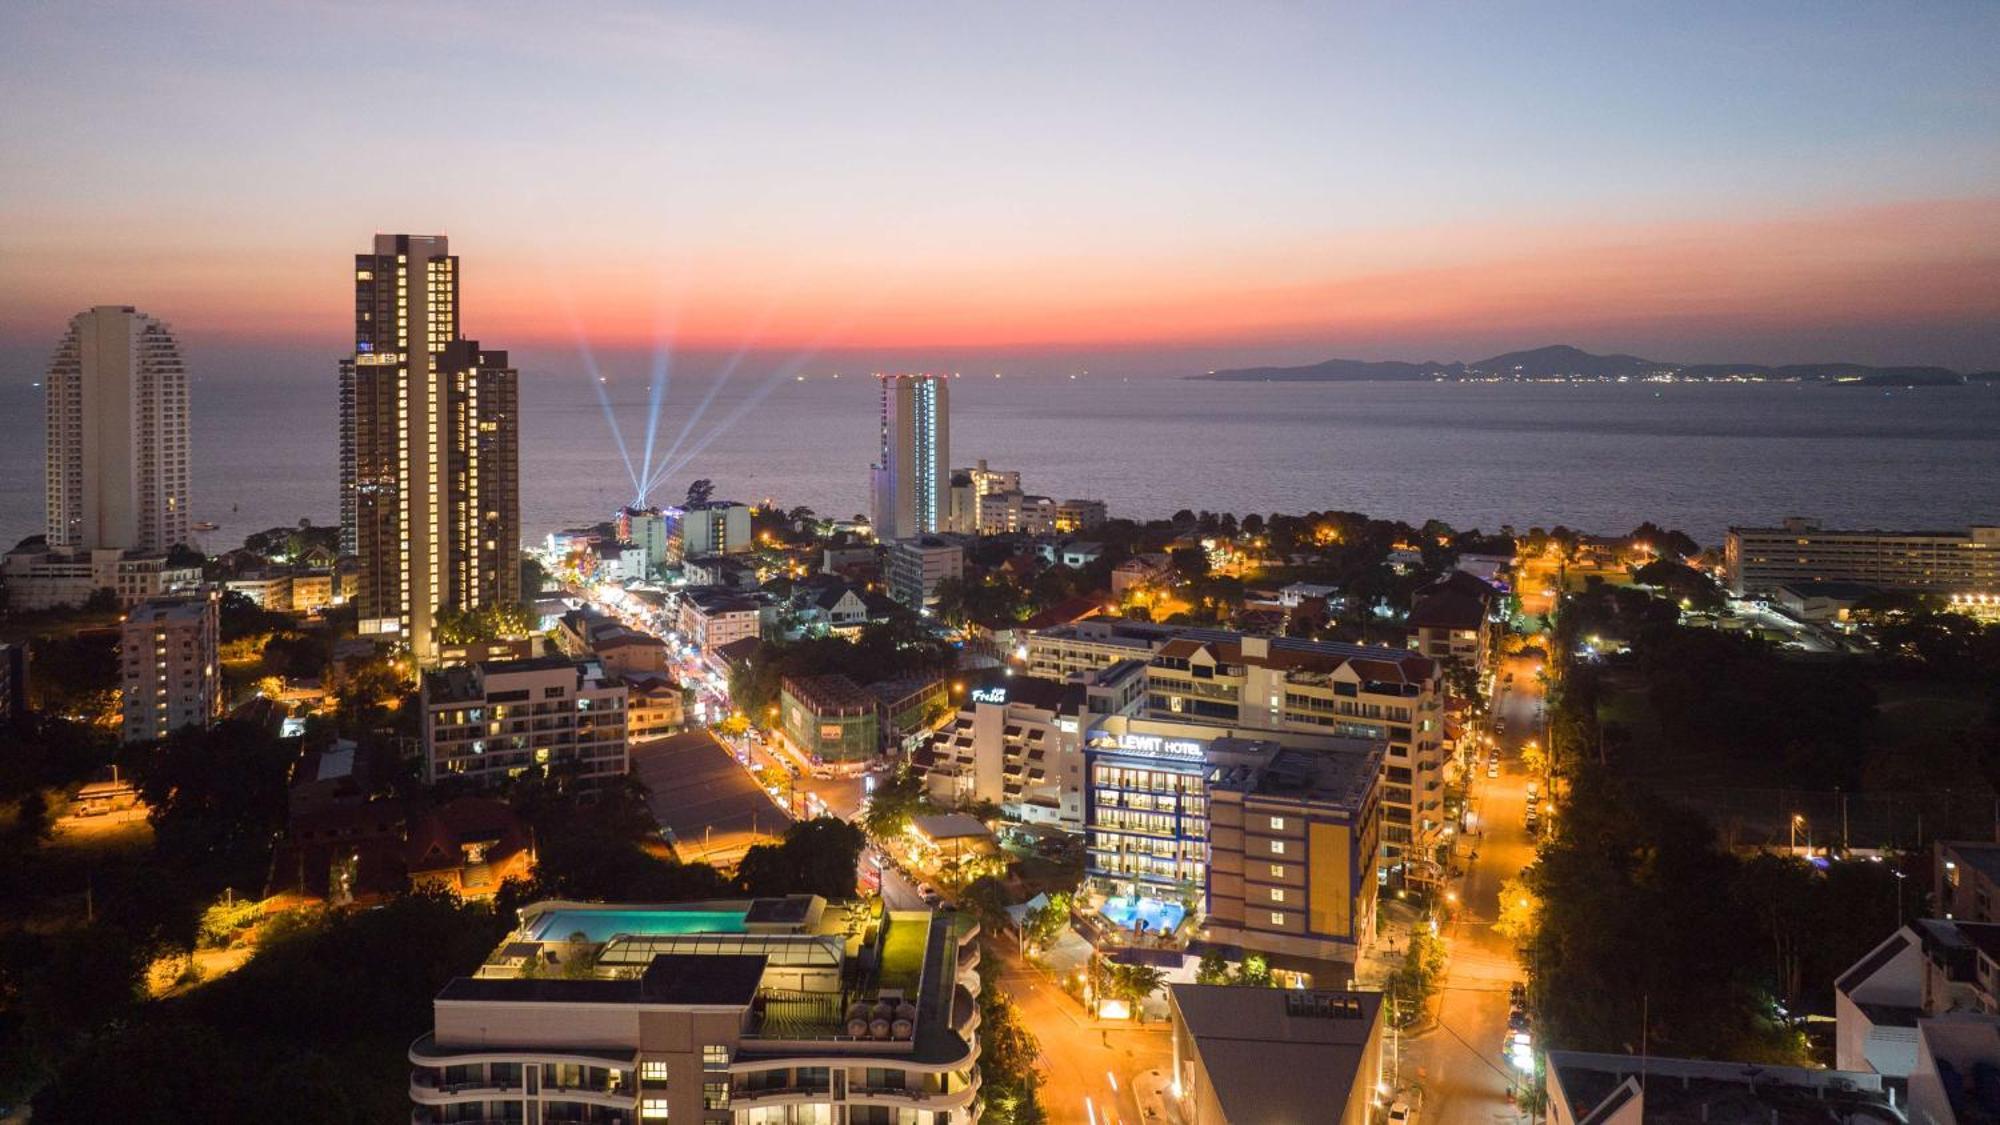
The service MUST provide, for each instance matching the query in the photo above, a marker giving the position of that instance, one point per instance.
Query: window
(653, 1109)
(1277, 824)
(1277, 917)
(1277, 894)
(1277, 871)
(715, 1095)
(714, 1056)
(1277, 847)
(653, 1070)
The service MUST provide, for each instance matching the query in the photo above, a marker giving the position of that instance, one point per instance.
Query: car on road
(1401, 1114)
(1493, 770)
(1499, 726)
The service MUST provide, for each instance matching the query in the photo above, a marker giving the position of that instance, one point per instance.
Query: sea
(1592, 456)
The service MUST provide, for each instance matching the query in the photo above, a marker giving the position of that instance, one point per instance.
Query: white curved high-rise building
(117, 461)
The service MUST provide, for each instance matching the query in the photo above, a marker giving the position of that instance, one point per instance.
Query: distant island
(1561, 363)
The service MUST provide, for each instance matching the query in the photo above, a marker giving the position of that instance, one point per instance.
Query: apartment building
(498, 719)
(171, 669)
(916, 566)
(910, 484)
(1965, 880)
(430, 491)
(1292, 841)
(1966, 560)
(1387, 695)
(1081, 515)
(1583, 1088)
(1091, 644)
(711, 527)
(787, 1011)
(116, 454)
(709, 618)
(1452, 620)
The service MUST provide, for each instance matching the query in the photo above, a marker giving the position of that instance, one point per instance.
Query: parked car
(1493, 770)
(1401, 1114)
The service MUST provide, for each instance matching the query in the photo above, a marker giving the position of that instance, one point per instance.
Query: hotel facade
(498, 719)
(1759, 560)
(911, 492)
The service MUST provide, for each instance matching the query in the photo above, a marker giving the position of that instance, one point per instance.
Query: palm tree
(1133, 983)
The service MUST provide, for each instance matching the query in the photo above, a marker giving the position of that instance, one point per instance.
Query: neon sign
(989, 695)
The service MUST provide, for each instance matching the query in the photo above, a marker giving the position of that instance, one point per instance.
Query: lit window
(1277, 917)
(1277, 894)
(653, 1071)
(714, 1055)
(653, 1109)
(1277, 871)
(1277, 847)
(1277, 824)
(715, 1095)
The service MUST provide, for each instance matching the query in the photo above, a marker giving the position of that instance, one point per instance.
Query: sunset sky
(1146, 187)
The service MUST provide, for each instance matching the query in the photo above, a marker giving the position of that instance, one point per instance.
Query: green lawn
(903, 950)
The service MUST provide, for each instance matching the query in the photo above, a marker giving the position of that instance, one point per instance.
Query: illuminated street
(1459, 1063)
(1087, 1069)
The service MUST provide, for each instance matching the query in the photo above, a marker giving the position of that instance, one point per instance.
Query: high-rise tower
(912, 480)
(117, 469)
(429, 449)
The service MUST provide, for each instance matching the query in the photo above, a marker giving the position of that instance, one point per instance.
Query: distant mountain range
(1561, 362)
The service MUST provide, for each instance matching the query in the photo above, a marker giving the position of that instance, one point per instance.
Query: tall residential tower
(912, 481)
(429, 449)
(117, 469)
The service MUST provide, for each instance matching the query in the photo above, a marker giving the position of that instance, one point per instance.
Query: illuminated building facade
(171, 675)
(429, 458)
(912, 479)
(117, 449)
(1966, 560)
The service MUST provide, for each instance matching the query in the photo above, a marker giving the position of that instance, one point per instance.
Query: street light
(1798, 821)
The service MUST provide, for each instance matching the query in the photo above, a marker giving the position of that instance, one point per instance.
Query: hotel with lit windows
(1283, 685)
(430, 497)
(493, 720)
(775, 1011)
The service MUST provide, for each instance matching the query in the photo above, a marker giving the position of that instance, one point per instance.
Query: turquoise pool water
(601, 925)
(1159, 917)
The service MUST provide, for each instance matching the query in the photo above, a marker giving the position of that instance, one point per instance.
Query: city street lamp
(1798, 821)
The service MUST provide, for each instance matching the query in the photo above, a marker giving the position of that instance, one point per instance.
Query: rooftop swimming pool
(1159, 917)
(602, 925)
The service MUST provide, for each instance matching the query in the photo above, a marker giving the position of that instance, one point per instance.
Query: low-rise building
(1592, 1089)
(1140, 570)
(39, 577)
(168, 652)
(720, 571)
(916, 566)
(1963, 560)
(1929, 968)
(830, 718)
(1086, 646)
(747, 1011)
(711, 618)
(654, 706)
(1016, 512)
(1277, 1055)
(499, 719)
(1452, 620)
(908, 708)
(468, 846)
(1080, 515)
(1820, 602)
